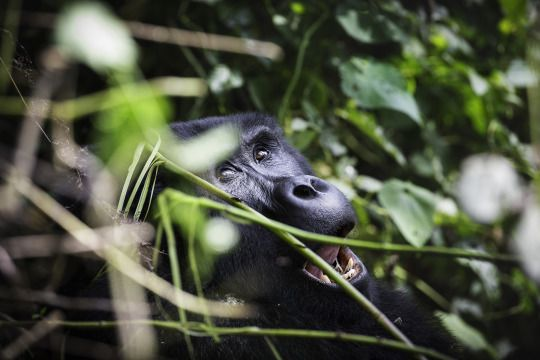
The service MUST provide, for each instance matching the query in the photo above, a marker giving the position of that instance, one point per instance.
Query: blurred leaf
(205, 151)
(223, 78)
(138, 117)
(474, 108)
(445, 38)
(525, 238)
(478, 84)
(488, 187)
(411, 208)
(302, 140)
(465, 333)
(90, 33)
(377, 85)
(366, 124)
(366, 23)
(521, 75)
(368, 184)
(221, 235)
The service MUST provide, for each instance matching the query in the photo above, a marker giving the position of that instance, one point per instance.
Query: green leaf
(377, 85)
(411, 208)
(365, 23)
(465, 333)
(366, 124)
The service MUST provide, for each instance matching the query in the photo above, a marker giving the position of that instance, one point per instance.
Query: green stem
(298, 66)
(175, 266)
(309, 254)
(199, 329)
(326, 239)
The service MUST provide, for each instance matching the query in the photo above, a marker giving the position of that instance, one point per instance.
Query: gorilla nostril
(319, 185)
(304, 192)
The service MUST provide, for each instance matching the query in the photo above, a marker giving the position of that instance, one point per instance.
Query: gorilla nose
(308, 187)
(314, 204)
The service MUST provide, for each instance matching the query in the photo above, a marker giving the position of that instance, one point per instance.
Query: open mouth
(344, 261)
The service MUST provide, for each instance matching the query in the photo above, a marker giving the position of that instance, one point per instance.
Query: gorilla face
(270, 176)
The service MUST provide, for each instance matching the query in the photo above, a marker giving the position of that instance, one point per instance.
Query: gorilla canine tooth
(349, 266)
(325, 279)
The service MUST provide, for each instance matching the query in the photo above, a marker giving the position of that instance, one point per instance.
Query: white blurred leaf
(299, 124)
(223, 78)
(520, 75)
(488, 187)
(526, 238)
(479, 85)
(446, 206)
(368, 184)
(221, 235)
(206, 150)
(488, 274)
(90, 33)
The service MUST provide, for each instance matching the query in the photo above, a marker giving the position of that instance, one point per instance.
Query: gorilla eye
(261, 154)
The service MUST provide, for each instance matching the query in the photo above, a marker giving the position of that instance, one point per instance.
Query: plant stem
(200, 329)
(249, 214)
(298, 66)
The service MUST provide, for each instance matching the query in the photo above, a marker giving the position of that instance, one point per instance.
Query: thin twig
(118, 259)
(298, 66)
(201, 329)
(302, 249)
(39, 330)
(311, 256)
(354, 243)
(179, 37)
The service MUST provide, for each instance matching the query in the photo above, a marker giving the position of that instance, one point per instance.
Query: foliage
(386, 98)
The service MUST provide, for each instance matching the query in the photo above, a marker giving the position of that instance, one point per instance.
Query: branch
(201, 329)
(296, 244)
(174, 36)
(325, 239)
(118, 259)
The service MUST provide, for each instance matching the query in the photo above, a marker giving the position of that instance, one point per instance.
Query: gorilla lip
(344, 261)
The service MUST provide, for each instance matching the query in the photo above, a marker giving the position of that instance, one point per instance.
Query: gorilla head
(270, 176)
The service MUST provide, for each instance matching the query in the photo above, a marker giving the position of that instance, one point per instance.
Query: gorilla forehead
(246, 122)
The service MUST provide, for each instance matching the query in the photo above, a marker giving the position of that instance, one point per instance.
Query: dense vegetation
(425, 113)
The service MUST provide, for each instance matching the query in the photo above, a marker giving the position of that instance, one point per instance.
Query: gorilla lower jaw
(344, 261)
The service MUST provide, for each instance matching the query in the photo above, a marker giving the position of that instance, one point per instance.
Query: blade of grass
(273, 348)
(175, 266)
(142, 175)
(150, 178)
(131, 170)
(151, 194)
(192, 226)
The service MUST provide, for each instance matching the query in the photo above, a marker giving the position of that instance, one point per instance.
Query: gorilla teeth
(349, 266)
(325, 279)
(341, 258)
(350, 274)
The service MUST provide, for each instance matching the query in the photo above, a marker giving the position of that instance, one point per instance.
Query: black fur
(264, 271)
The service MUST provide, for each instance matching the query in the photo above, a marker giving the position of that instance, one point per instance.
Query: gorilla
(273, 178)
